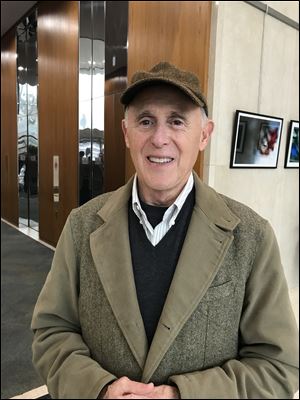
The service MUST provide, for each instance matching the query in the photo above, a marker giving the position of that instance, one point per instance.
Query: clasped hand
(124, 388)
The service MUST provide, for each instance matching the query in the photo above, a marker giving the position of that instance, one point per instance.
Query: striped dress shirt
(155, 235)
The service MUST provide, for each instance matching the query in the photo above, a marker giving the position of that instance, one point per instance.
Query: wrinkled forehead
(162, 95)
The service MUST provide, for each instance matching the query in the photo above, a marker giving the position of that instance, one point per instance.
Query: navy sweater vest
(154, 266)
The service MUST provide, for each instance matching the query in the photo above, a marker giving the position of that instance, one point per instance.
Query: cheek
(135, 144)
(190, 150)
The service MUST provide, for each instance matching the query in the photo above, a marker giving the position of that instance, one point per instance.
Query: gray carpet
(24, 267)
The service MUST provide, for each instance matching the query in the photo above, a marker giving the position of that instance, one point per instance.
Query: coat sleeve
(59, 353)
(268, 362)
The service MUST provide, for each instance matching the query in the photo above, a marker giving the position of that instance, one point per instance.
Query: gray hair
(204, 118)
(126, 117)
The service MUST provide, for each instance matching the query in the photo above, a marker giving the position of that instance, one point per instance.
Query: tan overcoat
(227, 329)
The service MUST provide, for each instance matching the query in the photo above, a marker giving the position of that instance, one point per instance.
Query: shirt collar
(171, 213)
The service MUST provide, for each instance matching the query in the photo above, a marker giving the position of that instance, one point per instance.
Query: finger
(131, 387)
(125, 386)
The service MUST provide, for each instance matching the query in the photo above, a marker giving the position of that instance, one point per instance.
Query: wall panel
(58, 112)
(256, 68)
(114, 153)
(9, 173)
(175, 31)
(116, 35)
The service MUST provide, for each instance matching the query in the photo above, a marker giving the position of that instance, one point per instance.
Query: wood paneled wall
(116, 29)
(58, 112)
(9, 173)
(173, 31)
(114, 153)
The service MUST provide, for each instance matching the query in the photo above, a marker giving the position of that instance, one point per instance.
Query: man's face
(164, 132)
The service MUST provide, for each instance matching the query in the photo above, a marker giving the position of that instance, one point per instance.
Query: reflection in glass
(27, 121)
(116, 27)
(91, 100)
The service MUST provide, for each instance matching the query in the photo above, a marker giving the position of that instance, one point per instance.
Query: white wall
(254, 66)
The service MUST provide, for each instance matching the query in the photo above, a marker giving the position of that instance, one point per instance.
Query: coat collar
(207, 200)
(110, 249)
(214, 207)
(203, 251)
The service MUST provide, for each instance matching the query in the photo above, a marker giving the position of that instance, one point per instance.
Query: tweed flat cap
(165, 72)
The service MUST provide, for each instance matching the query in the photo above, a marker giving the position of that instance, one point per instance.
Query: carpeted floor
(24, 267)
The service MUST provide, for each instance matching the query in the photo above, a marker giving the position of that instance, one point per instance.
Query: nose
(160, 136)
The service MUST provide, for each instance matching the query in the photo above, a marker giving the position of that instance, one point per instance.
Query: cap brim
(136, 87)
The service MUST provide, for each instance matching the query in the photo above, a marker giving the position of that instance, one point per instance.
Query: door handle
(56, 179)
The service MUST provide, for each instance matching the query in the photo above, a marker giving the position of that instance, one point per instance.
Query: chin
(160, 185)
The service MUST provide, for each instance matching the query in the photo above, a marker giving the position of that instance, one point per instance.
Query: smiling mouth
(160, 160)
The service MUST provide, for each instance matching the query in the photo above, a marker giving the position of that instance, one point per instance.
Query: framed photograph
(255, 141)
(292, 146)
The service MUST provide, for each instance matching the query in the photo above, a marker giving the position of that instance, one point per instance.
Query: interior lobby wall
(254, 66)
(58, 113)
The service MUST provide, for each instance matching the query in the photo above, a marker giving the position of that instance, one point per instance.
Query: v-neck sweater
(154, 266)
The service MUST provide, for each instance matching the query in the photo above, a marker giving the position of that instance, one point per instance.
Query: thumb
(141, 388)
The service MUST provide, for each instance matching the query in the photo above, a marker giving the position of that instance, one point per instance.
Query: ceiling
(12, 11)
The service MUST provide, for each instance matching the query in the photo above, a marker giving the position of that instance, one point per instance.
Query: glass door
(91, 99)
(27, 121)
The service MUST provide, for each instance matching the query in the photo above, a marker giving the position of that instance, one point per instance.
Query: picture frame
(255, 141)
(292, 146)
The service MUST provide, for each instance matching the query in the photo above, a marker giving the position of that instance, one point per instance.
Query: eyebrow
(145, 113)
(173, 114)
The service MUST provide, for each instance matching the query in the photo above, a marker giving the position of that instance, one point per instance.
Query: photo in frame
(292, 146)
(255, 141)
(241, 137)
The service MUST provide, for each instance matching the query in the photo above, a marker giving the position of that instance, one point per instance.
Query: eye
(177, 122)
(146, 122)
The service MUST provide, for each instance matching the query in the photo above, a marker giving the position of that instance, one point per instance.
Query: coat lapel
(110, 249)
(203, 251)
(208, 239)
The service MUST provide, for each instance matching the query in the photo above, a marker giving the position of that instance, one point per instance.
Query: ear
(125, 132)
(206, 134)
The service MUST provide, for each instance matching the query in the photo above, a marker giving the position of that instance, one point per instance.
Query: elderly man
(165, 288)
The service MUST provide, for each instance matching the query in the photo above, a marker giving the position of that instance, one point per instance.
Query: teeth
(160, 160)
